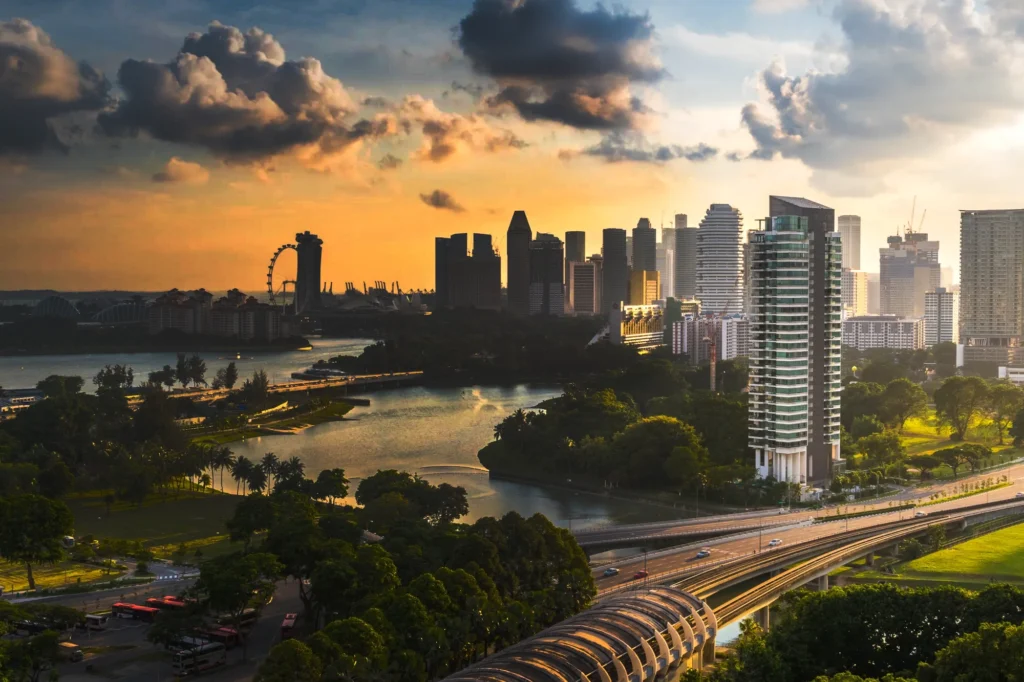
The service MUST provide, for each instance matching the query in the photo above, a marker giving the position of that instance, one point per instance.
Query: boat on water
(317, 373)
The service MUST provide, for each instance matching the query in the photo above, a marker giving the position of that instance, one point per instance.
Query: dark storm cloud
(441, 200)
(41, 91)
(238, 96)
(912, 74)
(556, 62)
(619, 147)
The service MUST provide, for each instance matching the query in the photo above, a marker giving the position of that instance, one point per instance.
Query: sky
(146, 145)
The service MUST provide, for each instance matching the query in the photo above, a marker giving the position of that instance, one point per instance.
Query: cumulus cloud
(236, 95)
(915, 74)
(389, 162)
(442, 200)
(40, 88)
(556, 62)
(778, 6)
(619, 147)
(446, 134)
(178, 170)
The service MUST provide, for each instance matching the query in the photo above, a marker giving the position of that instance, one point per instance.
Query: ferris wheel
(275, 294)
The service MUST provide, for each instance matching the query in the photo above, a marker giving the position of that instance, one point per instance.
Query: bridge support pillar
(894, 550)
(869, 560)
(821, 584)
(763, 618)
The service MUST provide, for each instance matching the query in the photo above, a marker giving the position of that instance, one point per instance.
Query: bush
(142, 568)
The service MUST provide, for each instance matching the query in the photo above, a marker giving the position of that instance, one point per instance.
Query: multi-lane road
(665, 564)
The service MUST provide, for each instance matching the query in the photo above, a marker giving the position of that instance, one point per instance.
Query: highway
(675, 563)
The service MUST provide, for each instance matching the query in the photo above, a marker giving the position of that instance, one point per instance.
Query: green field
(162, 522)
(14, 578)
(923, 435)
(998, 555)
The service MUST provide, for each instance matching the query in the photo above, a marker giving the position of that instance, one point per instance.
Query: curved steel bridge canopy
(637, 637)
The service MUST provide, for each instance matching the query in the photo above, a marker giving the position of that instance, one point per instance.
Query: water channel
(433, 432)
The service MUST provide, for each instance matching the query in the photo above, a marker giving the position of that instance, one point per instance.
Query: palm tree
(224, 459)
(240, 471)
(257, 479)
(271, 466)
(205, 481)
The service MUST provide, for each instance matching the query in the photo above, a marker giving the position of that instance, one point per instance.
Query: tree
(31, 530)
(115, 377)
(270, 465)
(255, 513)
(241, 470)
(196, 369)
(1017, 431)
(1005, 400)
(959, 401)
(643, 448)
(56, 386)
(883, 448)
(902, 400)
(290, 661)
(28, 658)
(975, 455)
(866, 425)
(257, 389)
(331, 485)
(860, 399)
(953, 457)
(350, 649)
(925, 463)
(230, 376)
(994, 652)
(163, 377)
(181, 372)
(228, 584)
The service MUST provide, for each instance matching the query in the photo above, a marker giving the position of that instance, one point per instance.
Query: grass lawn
(162, 523)
(998, 555)
(922, 435)
(13, 576)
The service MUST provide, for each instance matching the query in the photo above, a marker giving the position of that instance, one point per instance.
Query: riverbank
(186, 344)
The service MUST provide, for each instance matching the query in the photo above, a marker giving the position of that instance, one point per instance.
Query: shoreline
(137, 349)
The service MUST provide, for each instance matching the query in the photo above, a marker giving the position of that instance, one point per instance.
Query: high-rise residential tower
(908, 269)
(645, 246)
(992, 286)
(616, 268)
(547, 291)
(667, 261)
(795, 342)
(517, 253)
(307, 278)
(686, 259)
(941, 317)
(849, 231)
(720, 260)
(584, 287)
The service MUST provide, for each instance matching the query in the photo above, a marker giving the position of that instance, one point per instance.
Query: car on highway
(704, 553)
(1019, 496)
(639, 575)
(775, 542)
(920, 514)
(609, 572)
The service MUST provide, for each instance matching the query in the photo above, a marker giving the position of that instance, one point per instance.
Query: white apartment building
(884, 331)
(720, 260)
(941, 317)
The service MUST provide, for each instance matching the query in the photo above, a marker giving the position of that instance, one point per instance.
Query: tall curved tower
(720, 260)
(517, 254)
(307, 280)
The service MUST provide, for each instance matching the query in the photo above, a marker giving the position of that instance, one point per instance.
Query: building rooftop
(801, 202)
(519, 222)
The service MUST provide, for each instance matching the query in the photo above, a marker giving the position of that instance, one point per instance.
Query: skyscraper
(992, 286)
(440, 272)
(616, 268)
(667, 262)
(908, 269)
(575, 249)
(466, 279)
(941, 317)
(849, 231)
(855, 293)
(584, 287)
(517, 252)
(686, 259)
(720, 260)
(307, 278)
(644, 287)
(547, 291)
(645, 246)
(874, 294)
(795, 342)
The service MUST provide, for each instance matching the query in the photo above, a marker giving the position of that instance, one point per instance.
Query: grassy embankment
(161, 523)
(275, 424)
(923, 436)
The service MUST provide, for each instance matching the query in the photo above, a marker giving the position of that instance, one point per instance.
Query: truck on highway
(69, 651)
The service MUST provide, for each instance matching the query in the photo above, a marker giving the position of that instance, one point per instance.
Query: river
(433, 432)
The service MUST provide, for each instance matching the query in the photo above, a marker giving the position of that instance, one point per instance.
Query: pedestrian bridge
(653, 633)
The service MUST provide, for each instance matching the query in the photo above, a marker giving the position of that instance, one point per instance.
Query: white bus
(199, 659)
(95, 621)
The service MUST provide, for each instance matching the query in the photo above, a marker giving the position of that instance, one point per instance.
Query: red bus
(287, 625)
(146, 614)
(164, 603)
(229, 637)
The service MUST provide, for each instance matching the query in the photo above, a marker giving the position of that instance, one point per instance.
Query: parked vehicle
(288, 625)
(203, 657)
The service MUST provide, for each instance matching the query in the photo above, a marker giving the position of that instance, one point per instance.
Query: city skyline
(404, 147)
